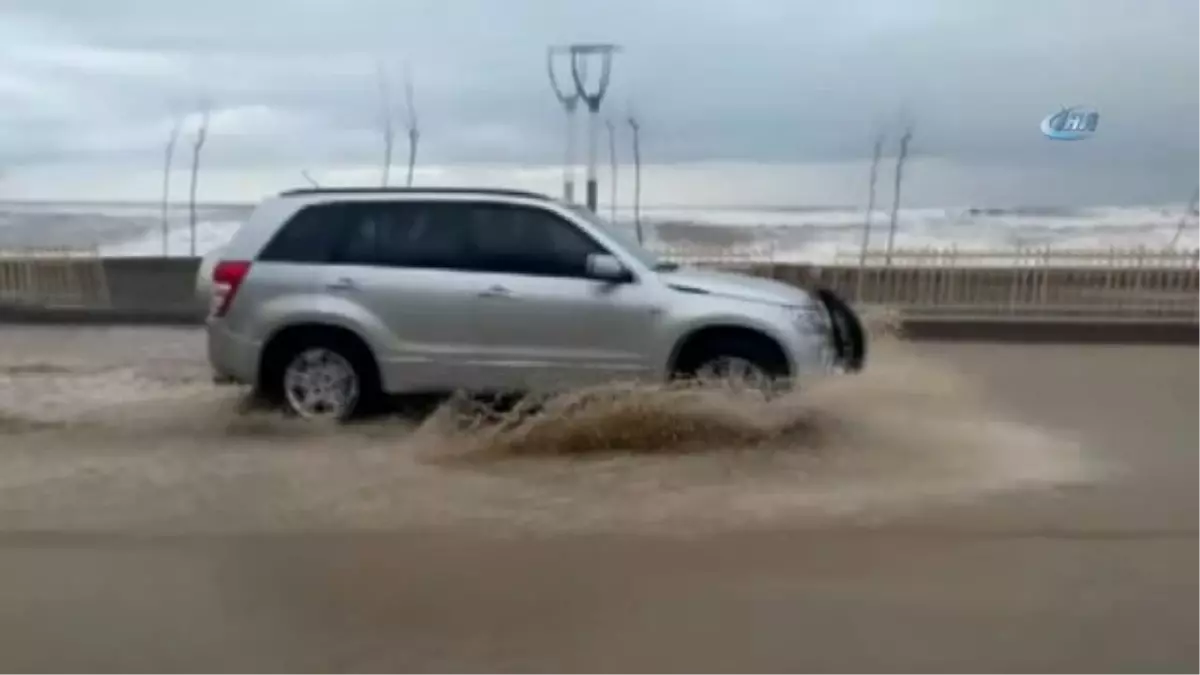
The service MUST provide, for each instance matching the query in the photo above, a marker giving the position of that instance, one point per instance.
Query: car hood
(737, 286)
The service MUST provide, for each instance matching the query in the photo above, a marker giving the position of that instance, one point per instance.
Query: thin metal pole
(612, 170)
(1183, 220)
(637, 177)
(593, 100)
(414, 132)
(192, 202)
(197, 146)
(387, 125)
(166, 226)
(866, 238)
(569, 158)
(414, 137)
(570, 103)
(891, 241)
(176, 127)
(592, 141)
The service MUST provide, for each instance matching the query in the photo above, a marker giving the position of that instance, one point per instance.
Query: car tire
(322, 376)
(732, 358)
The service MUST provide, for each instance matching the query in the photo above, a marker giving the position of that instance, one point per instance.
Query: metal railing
(53, 277)
(723, 257)
(1025, 282)
(1137, 283)
(1142, 284)
(1026, 256)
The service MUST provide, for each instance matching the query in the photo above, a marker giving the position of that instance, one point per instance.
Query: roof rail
(299, 192)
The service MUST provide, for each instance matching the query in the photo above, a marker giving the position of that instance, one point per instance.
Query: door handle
(342, 284)
(496, 292)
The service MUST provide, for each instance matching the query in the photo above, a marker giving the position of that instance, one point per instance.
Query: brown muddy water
(120, 430)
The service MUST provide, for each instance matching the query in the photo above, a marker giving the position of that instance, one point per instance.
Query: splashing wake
(906, 433)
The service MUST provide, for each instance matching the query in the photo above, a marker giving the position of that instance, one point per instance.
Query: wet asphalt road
(1095, 576)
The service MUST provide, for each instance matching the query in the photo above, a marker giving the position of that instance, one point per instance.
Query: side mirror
(607, 268)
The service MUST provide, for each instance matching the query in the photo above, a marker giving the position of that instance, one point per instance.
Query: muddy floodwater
(121, 430)
(965, 507)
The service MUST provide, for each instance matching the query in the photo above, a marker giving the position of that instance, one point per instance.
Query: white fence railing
(1132, 283)
(53, 277)
(717, 256)
(1140, 283)
(1106, 258)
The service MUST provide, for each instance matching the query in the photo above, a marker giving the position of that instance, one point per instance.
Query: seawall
(1065, 305)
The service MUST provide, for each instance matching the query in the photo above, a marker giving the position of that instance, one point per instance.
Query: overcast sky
(772, 100)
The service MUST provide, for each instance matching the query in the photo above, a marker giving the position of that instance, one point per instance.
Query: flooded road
(122, 432)
(956, 507)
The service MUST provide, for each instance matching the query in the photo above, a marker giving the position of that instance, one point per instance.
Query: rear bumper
(232, 357)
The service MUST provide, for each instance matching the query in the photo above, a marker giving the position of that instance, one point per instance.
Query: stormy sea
(818, 235)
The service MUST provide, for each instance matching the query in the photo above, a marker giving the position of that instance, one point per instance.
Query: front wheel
(743, 363)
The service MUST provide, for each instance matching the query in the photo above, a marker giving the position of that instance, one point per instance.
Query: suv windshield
(625, 238)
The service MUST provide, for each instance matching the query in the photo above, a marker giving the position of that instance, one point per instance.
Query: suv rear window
(311, 236)
(405, 234)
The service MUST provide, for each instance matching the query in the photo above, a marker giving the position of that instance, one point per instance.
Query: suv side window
(311, 236)
(404, 234)
(524, 240)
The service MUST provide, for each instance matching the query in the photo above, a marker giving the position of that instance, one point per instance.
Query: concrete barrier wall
(151, 283)
(1052, 304)
(118, 290)
(157, 282)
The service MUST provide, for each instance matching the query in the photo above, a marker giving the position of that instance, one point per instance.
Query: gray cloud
(794, 81)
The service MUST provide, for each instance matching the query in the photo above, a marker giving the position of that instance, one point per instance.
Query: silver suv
(327, 300)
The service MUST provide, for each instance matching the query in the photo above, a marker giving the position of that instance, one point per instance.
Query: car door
(399, 268)
(542, 320)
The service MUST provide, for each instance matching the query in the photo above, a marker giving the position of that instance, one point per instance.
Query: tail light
(227, 277)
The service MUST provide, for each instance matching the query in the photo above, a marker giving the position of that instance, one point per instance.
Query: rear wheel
(322, 376)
